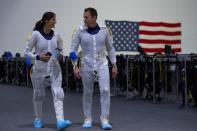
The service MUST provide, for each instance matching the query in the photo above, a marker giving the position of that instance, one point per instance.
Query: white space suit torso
(94, 47)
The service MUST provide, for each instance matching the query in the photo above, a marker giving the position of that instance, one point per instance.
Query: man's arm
(110, 48)
(73, 52)
(74, 47)
(111, 52)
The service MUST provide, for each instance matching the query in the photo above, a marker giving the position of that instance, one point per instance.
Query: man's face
(88, 19)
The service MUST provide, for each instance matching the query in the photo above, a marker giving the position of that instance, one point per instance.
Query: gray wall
(17, 17)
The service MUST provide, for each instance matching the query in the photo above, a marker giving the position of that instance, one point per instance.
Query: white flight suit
(40, 71)
(93, 58)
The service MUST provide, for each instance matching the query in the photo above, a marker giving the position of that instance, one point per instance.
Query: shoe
(63, 124)
(38, 123)
(105, 124)
(87, 123)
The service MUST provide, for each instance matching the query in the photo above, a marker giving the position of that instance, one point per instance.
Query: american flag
(151, 36)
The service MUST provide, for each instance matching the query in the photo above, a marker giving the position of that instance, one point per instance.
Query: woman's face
(51, 22)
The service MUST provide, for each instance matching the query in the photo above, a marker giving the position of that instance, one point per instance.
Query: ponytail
(39, 25)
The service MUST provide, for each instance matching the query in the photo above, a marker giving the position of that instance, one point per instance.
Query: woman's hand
(60, 57)
(44, 57)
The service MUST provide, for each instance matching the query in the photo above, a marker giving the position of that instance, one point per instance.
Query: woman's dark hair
(92, 11)
(46, 16)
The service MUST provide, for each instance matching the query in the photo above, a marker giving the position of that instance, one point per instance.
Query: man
(94, 41)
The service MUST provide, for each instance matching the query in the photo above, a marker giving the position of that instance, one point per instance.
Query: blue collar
(93, 30)
(47, 36)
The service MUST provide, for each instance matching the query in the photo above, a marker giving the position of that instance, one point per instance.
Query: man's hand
(76, 72)
(114, 71)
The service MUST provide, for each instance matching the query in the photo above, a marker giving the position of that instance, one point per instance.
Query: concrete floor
(16, 113)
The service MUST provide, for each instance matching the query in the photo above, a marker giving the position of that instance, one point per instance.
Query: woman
(46, 42)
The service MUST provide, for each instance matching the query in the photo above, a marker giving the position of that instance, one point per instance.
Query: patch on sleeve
(29, 35)
(109, 31)
(74, 32)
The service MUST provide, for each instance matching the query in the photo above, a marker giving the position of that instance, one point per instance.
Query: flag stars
(125, 35)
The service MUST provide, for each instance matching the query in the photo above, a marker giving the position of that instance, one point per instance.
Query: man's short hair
(92, 11)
